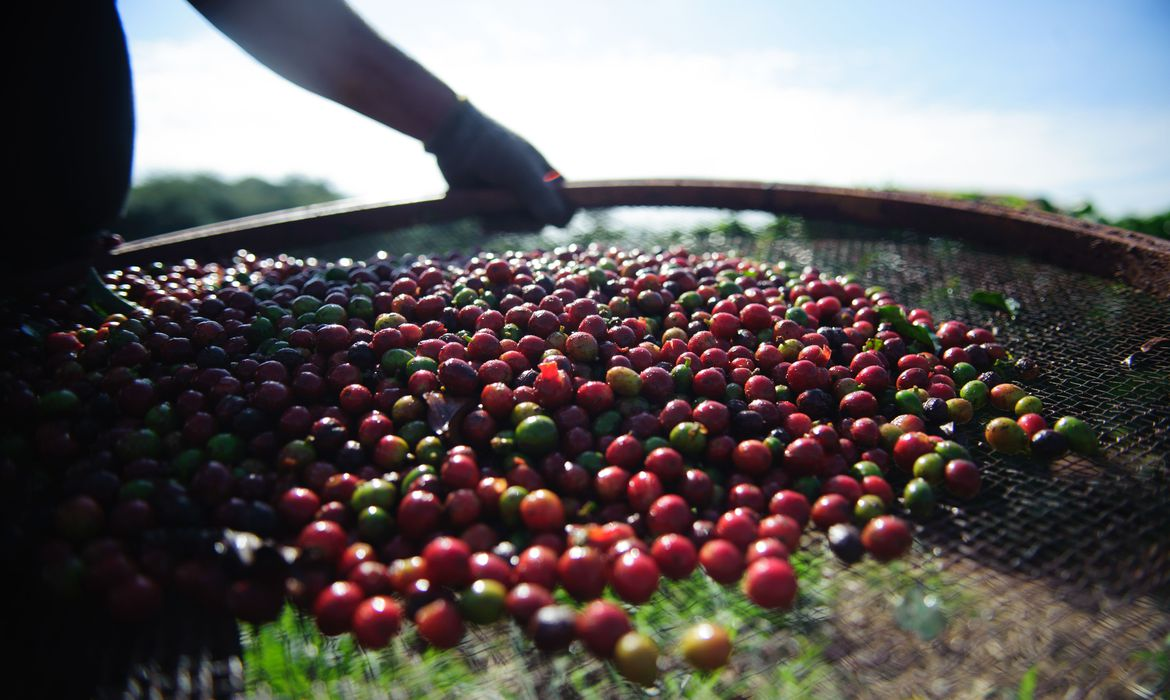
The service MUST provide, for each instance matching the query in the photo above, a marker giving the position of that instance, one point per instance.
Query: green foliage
(1027, 689)
(922, 335)
(171, 202)
(1157, 662)
(1154, 225)
(997, 301)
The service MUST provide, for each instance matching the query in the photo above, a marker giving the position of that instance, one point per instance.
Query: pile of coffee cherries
(448, 440)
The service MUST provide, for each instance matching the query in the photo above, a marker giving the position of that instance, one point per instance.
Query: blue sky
(1069, 100)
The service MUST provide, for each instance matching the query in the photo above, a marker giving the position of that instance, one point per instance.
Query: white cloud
(203, 105)
(638, 112)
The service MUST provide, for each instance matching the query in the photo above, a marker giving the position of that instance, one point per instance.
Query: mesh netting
(1056, 573)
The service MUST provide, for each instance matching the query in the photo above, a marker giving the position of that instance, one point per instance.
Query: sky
(1067, 100)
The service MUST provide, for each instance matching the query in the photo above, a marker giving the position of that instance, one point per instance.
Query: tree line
(165, 203)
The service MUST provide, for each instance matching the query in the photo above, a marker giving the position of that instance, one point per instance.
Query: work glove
(474, 151)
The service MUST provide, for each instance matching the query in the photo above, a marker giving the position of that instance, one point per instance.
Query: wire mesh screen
(1054, 580)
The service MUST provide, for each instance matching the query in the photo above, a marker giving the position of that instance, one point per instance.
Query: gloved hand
(475, 151)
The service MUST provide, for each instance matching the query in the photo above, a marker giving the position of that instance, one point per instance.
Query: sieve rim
(1138, 259)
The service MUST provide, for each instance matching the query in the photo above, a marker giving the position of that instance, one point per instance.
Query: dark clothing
(74, 132)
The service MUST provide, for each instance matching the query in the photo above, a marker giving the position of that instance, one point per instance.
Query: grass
(776, 654)
(1157, 662)
(1027, 689)
(290, 658)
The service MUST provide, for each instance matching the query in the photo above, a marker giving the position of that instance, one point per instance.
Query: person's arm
(323, 46)
(326, 48)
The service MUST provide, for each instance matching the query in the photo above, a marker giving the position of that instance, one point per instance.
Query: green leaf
(921, 613)
(912, 332)
(874, 343)
(1027, 689)
(997, 301)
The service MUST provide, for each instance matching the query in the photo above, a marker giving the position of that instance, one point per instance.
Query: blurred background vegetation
(165, 203)
(171, 202)
(1155, 225)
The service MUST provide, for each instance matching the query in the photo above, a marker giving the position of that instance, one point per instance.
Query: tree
(171, 202)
